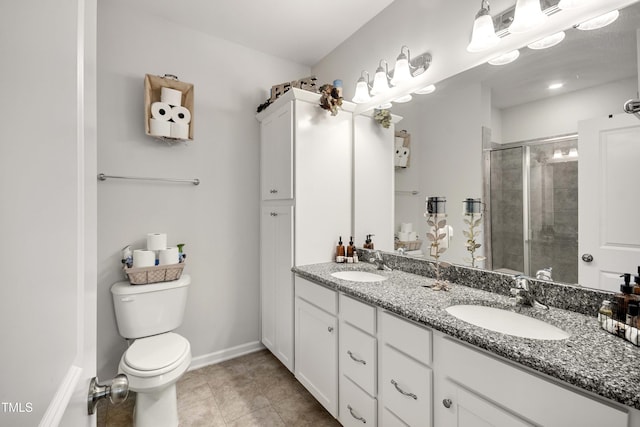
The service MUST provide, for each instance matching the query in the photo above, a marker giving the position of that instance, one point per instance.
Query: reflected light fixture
(401, 72)
(573, 152)
(528, 15)
(404, 98)
(505, 58)
(362, 89)
(548, 41)
(425, 90)
(599, 21)
(381, 79)
(483, 36)
(572, 4)
(555, 86)
(557, 154)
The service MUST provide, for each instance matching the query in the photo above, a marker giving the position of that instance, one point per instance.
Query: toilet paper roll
(159, 127)
(403, 236)
(181, 115)
(142, 258)
(171, 96)
(156, 241)
(168, 256)
(406, 227)
(412, 236)
(179, 130)
(161, 111)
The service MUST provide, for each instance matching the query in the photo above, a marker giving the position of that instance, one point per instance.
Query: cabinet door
(466, 409)
(317, 353)
(276, 281)
(276, 155)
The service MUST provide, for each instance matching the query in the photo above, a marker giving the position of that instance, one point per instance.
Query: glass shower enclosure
(533, 208)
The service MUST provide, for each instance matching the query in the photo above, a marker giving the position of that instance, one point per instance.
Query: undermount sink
(507, 322)
(358, 276)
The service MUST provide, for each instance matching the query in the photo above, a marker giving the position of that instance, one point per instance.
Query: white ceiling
(301, 31)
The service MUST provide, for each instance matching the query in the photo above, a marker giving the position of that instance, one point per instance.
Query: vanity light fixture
(483, 36)
(362, 89)
(505, 58)
(528, 15)
(548, 41)
(557, 154)
(599, 21)
(426, 90)
(573, 152)
(381, 79)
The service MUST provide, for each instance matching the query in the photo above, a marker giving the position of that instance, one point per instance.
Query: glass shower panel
(553, 209)
(506, 199)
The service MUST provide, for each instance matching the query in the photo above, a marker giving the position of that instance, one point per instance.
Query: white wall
(560, 114)
(446, 159)
(219, 219)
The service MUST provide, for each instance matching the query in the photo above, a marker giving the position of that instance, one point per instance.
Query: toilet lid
(156, 352)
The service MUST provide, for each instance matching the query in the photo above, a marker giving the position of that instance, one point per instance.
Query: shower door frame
(486, 189)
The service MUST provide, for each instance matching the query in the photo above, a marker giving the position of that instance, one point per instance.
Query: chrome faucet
(523, 294)
(379, 262)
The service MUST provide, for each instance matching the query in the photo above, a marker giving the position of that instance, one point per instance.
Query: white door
(47, 212)
(609, 202)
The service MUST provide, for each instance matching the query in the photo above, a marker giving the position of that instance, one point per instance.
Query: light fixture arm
(485, 9)
(367, 80)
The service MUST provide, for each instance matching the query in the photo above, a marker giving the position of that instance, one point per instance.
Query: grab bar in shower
(104, 177)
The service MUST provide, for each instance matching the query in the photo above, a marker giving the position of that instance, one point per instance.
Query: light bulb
(599, 21)
(362, 92)
(401, 72)
(380, 82)
(484, 35)
(527, 16)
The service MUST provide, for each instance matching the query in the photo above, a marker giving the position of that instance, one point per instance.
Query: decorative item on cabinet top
(403, 149)
(168, 106)
(307, 83)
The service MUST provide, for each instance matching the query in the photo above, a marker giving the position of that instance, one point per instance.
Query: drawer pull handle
(395, 384)
(447, 403)
(355, 359)
(330, 329)
(273, 191)
(359, 418)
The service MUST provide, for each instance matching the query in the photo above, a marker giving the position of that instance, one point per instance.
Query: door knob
(447, 403)
(117, 391)
(587, 257)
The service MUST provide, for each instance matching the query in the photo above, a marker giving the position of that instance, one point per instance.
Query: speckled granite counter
(590, 359)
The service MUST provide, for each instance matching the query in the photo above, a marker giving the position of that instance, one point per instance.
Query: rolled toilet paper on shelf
(159, 127)
(161, 111)
(181, 115)
(142, 258)
(156, 241)
(403, 236)
(168, 256)
(412, 236)
(406, 227)
(172, 97)
(179, 130)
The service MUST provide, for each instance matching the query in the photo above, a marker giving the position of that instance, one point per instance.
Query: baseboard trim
(226, 354)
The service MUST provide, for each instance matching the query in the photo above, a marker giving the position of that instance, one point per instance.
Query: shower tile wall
(506, 210)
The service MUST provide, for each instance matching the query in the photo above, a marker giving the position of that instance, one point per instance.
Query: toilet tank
(145, 310)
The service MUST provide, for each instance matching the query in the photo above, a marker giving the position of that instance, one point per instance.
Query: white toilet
(158, 357)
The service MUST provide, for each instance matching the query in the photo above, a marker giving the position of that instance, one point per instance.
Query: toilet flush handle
(117, 391)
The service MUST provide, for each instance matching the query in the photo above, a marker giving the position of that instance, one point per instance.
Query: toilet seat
(155, 355)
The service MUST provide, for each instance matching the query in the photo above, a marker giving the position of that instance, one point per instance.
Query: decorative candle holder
(473, 218)
(437, 222)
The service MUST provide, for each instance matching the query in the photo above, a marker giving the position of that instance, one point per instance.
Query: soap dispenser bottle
(624, 297)
(636, 287)
(368, 244)
(350, 250)
(340, 251)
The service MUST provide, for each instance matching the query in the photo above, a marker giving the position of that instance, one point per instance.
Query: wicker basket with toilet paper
(157, 263)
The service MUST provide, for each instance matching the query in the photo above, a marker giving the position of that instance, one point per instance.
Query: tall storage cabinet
(306, 192)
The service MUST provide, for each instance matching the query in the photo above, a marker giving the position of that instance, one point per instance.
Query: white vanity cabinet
(305, 174)
(405, 373)
(357, 363)
(316, 342)
(476, 389)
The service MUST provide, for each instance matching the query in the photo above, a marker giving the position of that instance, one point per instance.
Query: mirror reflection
(508, 135)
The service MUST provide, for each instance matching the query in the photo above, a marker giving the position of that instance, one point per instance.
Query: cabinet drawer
(406, 388)
(317, 295)
(406, 337)
(358, 314)
(358, 357)
(388, 419)
(357, 408)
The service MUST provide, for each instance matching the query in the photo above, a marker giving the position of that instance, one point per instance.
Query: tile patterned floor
(252, 390)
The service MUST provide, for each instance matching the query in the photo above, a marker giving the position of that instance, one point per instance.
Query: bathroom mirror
(491, 102)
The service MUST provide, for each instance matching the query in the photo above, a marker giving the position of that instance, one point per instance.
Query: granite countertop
(590, 358)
